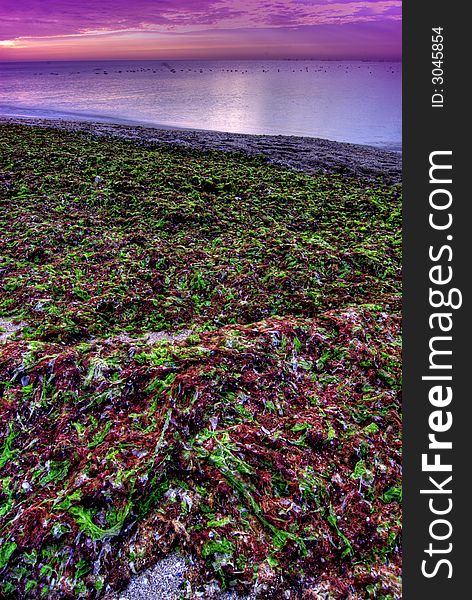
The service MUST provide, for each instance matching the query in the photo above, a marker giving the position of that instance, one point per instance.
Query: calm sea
(358, 102)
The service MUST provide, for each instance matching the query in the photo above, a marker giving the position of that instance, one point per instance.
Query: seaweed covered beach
(200, 353)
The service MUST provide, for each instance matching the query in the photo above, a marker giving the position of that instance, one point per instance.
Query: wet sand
(166, 580)
(312, 155)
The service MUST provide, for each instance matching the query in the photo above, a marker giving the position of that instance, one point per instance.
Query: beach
(200, 364)
(312, 155)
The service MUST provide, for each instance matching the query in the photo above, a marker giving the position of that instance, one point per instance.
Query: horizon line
(294, 59)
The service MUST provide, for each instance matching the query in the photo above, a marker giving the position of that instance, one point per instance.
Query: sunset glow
(148, 29)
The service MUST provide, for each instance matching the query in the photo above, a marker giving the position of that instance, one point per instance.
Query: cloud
(35, 25)
(37, 18)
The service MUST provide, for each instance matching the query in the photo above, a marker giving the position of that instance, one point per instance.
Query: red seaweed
(264, 440)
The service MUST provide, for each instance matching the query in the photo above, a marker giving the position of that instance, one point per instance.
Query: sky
(200, 29)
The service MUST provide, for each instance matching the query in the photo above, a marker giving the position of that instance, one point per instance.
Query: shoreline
(312, 155)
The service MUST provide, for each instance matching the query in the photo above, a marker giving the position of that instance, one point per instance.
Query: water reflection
(356, 102)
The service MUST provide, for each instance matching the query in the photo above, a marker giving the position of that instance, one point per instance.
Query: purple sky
(107, 29)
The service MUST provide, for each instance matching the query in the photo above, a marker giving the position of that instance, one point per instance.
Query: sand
(166, 581)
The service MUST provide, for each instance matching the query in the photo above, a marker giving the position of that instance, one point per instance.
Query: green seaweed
(259, 433)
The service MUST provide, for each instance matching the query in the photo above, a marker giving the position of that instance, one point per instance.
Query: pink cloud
(37, 24)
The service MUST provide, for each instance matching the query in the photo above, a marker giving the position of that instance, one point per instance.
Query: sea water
(357, 102)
